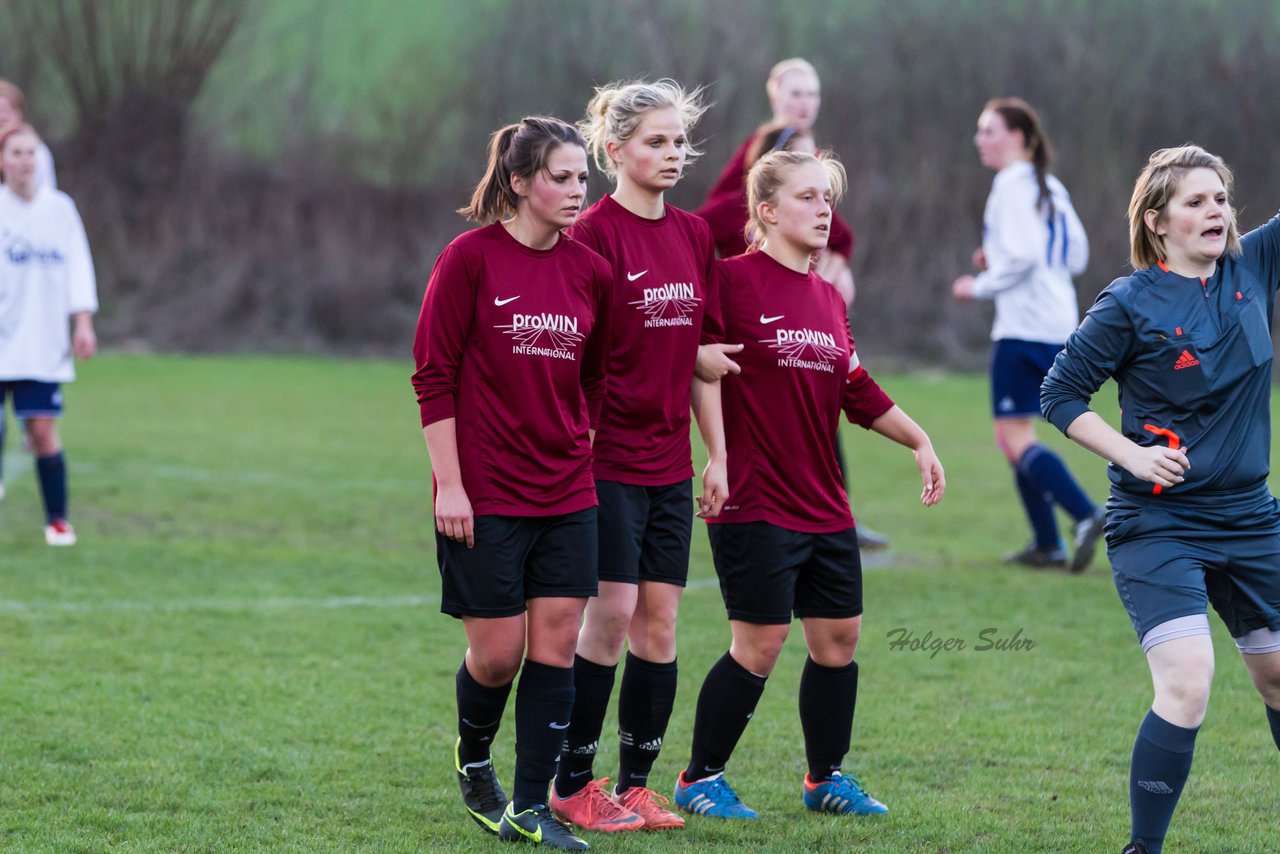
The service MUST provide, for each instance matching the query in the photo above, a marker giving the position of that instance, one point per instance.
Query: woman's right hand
(1156, 464)
(454, 518)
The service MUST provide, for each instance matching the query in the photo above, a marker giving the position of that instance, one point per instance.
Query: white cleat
(59, 533)
(1, 492)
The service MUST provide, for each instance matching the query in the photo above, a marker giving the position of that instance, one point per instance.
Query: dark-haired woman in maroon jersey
(785, 542)
(510, 355)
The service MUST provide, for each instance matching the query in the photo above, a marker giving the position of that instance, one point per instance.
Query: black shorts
(517, 558)
(645, 532)
(767, 573)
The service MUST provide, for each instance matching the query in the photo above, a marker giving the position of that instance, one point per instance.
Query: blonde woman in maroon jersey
(785, 543)
(662, 260)
(510, 352)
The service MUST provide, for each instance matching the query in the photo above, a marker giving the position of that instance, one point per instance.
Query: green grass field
(245, 651)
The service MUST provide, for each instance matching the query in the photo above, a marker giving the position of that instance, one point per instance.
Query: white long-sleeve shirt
(46, 275)
(1031, 258)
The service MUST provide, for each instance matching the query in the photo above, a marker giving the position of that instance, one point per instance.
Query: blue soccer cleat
(710, 797)
(841, 795)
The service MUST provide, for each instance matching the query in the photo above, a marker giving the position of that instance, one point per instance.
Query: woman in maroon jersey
(726, 212)
(795, 95)
(785, 541)
(662, 260)
(511, 352)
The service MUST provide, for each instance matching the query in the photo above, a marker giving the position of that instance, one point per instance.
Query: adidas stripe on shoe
(841, 795)
(712, 797)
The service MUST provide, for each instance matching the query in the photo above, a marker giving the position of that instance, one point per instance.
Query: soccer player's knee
(614, 619)
(765, 651)
(758, 652)
(1261, 650)
(44, 437)
(1190, 688)
(662, 636)
(495, 668)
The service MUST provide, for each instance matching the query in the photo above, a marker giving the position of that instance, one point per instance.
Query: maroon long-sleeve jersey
(660, 272)
(510, 344)
(799, 369)
(725, 210)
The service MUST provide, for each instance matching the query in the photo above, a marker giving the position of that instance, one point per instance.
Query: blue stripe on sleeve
(1048, 250)
(1065, 237)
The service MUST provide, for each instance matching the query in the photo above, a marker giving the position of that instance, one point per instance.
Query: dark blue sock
(479, 715)
(1273, 718)
(1039, 513)
(52, 472)
(1161, 761)
(1046, 472)
(544, 703)
(2, 432)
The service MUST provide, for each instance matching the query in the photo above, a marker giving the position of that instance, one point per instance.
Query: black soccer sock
(827, 699)
(644, 708)
(1161, 762)
(1273, 718)
(725, 705)
(544, 703)
(592, 685)
(52, 472)
(479, 715)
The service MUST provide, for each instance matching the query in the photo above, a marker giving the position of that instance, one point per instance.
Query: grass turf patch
(245, 650)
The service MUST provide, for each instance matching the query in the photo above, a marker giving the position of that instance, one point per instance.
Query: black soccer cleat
(540, 826)
(1134, 848)
(482, 794)
(1037, 558)
(1088, 533)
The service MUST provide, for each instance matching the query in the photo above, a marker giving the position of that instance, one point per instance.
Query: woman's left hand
(715, 489)
(962, 288)
(935, 481)
(84, 342)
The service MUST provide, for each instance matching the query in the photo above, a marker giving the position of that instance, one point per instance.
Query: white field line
(173, 606)
(176, 606)
(17, 466)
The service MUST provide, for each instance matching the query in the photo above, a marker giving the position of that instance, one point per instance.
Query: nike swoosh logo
(564, 725)
(535, 836)
(631, 277)
(579, 773)
(500, 302)
(764, 319)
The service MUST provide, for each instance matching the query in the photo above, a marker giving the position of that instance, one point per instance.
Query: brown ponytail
(1019, 116)
(517, 149)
